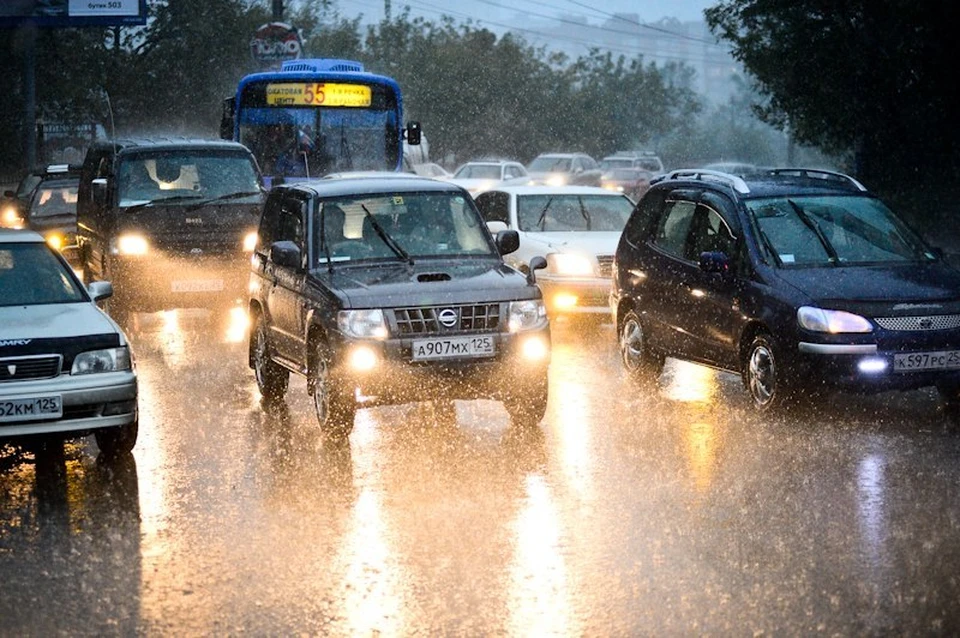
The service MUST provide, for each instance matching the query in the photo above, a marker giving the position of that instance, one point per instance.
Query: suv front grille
(930, 322)
(45, 366)
(435, 319)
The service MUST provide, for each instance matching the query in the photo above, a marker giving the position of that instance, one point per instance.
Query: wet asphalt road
(671, 511)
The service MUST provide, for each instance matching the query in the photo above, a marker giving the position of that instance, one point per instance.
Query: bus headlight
(131, 245)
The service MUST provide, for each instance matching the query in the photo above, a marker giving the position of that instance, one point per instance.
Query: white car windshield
(31, 275)
(567, 212)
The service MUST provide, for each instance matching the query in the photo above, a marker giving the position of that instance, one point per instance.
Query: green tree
(871, 76)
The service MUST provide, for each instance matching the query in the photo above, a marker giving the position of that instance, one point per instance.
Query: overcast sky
(499, 12)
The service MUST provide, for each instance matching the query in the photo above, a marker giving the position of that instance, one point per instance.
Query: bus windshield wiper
(812, 225)
(223, 198)
(386, 238)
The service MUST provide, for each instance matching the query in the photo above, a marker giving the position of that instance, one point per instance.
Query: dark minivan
(390, 289)
(170, 222)
(800, 280)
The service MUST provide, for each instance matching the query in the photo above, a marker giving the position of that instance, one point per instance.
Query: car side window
(494, 207)
(644, 215)
(269, 221)
(290, 223)
(709, 233)
(674, 227)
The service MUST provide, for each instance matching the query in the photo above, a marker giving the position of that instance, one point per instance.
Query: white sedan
(479, 176)
(576, 228)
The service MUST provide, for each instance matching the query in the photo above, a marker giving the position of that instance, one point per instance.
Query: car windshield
(550, 165)
(619, 162)
(628, 174)
(402, 226)
(55, 198)
(833, 230)
(567, 212)
(186, 175)
(31, 275)
(478, 171)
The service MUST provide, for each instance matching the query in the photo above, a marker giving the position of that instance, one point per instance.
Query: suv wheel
(527, 403)
(335, 407)
(272, 379)
(763, 377)
(117, 441)
(642, 364)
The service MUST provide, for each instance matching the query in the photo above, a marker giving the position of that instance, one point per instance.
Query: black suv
(383, 289)
(170, 222)
(800, 280)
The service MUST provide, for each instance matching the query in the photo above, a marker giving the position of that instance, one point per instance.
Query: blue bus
(319, 116)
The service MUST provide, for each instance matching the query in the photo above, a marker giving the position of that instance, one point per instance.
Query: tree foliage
(476, 93)
(871, 76)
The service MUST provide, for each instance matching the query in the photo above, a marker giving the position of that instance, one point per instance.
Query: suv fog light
(362, 358)
(534, 348)
(872, 365)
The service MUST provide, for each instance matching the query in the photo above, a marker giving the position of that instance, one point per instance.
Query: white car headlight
(832, 321)
(362, 324)
(570, 264)
(109, 360)
(526, 315)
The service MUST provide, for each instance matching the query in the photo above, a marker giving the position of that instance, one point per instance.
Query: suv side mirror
(536, 263)
(508, 241)
(714, 262)
(413, 133)
(285, 254)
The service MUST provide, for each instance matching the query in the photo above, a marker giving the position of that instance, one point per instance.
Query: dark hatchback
(799, 280)
(390, 289)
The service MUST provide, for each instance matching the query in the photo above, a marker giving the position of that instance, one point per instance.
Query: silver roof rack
(817, 173)
(735, 182)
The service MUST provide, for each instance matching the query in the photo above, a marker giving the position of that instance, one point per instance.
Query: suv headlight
(570, 264)
(832, 321)
(131, 244)
(109, 360)
(362, 324)
(526, 315)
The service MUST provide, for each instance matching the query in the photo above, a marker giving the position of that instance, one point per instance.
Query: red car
(632, 182)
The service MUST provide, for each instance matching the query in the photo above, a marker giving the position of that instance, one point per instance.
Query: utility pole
(386, 9)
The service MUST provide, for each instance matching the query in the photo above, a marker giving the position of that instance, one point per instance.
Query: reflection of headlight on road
(526, 315)
(250, 241)
(570, 265)
(132, 245)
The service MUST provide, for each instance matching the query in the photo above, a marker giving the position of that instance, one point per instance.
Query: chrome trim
(837, 348)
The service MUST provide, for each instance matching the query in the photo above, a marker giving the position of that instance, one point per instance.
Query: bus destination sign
(318, 94)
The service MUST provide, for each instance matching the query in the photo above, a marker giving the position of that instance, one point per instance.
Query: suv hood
(428, 282)
(895, 290)
(53, 321)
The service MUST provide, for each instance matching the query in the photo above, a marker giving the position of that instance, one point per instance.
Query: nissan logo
(448, 317)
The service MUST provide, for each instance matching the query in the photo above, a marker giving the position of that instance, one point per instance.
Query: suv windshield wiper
(386, 238)
(223, 198)
(812, 225)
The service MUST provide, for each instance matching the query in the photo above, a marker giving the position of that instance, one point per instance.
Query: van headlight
(570, 264)
(109, 360)
(131, 244)
(250, 241)
(832, 321)
(528, 314)
(363, 324)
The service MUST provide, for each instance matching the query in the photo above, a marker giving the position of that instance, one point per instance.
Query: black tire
(640, 362)
(527, 403)
(765, 378)
(118, 441)
(335, 404)
(272, 379)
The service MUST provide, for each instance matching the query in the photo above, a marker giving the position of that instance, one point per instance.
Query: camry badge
(448, 317)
